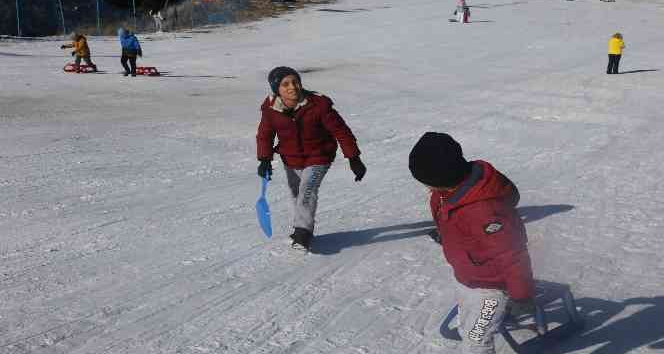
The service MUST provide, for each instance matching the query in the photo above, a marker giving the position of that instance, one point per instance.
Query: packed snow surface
(127, 221)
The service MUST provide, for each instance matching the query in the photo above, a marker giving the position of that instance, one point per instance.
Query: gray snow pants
(481, 311)
(304, 185)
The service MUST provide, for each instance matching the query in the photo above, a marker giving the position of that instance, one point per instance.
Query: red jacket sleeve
(334, 124)
(265, 138)
(503, 243)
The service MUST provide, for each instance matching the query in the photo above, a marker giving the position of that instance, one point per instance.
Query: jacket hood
(275, 102)
(483, 183)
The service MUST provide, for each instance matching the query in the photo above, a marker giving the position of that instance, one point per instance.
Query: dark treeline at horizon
(44, 17)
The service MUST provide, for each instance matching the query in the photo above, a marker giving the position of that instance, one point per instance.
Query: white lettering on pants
(486, 315)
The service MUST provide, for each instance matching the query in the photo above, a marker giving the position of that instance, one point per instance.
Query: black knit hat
(279, 73)
(437, 160)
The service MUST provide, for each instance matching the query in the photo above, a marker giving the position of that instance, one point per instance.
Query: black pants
(614, 60)
(132, 62)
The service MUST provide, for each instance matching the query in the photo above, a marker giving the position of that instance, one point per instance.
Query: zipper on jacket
(290, 113)
(298, 127)
(300, 140)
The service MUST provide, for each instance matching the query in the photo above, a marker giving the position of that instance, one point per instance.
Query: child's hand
(358, 168)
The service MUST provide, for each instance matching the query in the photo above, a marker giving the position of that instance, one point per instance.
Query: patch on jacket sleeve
(493, 227)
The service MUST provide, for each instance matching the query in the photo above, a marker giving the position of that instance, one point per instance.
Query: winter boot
(301, 238)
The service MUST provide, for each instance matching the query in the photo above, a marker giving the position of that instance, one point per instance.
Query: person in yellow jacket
(81, 51)
(616, 46)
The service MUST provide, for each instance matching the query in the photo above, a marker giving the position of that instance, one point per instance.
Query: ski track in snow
(127, 220)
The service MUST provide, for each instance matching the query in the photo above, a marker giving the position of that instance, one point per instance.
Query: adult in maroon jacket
(308, 130)
(482, 236)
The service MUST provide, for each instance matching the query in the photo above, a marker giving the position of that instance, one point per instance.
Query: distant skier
(158, 21)
(309, 131)
(616, 46)
(482, 236)
(81, 51)
(462, 12)
(131, 48)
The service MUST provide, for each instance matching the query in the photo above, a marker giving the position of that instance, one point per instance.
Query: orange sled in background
(147, 71)
(84, 69)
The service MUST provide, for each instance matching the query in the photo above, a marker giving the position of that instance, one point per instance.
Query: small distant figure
(616, 46)
(81, 51)
(131, 49)
(158, 21)
(462, 12)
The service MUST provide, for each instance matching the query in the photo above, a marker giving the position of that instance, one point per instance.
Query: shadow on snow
(643, 328)
(537, 212)
(335, 242)
(637, 71)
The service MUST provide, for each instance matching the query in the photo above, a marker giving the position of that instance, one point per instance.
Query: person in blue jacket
(131, 49)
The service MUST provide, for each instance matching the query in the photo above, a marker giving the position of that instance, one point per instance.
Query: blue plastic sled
(263, 211)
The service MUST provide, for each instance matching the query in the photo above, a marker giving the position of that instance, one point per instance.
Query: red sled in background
(83, 69)
(147, 71)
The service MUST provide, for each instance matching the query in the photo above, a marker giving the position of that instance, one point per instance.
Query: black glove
(357, 167)
(63, 46)
(73, 54)
(265, 169)
(522, 307)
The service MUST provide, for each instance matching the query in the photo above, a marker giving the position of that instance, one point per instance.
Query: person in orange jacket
(81, 51)
(616, 46)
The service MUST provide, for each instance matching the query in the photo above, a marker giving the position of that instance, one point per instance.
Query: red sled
(147, 71)
(83, 68)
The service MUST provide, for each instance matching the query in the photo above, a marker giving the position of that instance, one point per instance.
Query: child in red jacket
(309, 131)
(483, 237)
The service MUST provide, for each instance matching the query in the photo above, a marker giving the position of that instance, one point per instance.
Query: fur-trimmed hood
(275, 102)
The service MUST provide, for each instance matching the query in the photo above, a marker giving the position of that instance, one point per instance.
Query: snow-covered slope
(127, 220)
